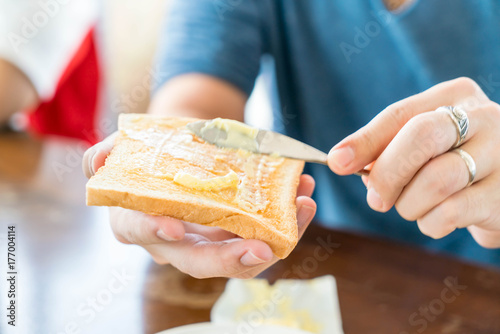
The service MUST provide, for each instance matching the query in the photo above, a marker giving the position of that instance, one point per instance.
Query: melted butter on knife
(237, 134)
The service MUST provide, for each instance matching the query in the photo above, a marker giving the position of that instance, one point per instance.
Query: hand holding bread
(201, 250)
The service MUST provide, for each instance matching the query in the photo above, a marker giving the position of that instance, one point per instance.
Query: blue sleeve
(214, 37)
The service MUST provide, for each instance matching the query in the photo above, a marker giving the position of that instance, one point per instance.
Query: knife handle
(362, 172)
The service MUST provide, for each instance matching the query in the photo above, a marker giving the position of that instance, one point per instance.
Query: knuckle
(130, 236)
(188, 266)
(442, 184)
(421, 126)
(230, 267)
(366, 138)
(443, 178)
(117, 232)
(121, 238)
(386, 182)
(495, 107)
(449, 214)
(487, 215)
(401, 112)
(225, 257)
(479, 207)
(429, 137)
(492, 112)
(425, 132)
(465, 83)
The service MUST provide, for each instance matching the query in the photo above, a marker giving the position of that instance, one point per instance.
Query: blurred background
(73, 276)
(86, 61)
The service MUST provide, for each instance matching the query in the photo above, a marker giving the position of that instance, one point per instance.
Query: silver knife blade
(268, 142)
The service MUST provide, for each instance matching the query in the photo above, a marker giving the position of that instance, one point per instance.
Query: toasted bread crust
(114, 185)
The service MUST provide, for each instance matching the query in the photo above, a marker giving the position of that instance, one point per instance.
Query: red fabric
(72, 111)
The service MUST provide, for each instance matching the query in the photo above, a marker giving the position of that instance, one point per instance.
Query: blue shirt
(337, 64)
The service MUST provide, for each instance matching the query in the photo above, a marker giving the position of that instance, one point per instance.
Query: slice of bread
(159, 167)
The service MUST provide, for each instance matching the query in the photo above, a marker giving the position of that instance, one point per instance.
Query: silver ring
(461, 121)
(469, 161)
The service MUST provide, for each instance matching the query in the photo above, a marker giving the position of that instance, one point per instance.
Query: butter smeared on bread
(159, 167)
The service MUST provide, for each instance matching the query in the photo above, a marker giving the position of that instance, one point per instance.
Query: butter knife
(264, 142)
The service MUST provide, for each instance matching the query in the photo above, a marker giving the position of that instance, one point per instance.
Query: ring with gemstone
(461, 121)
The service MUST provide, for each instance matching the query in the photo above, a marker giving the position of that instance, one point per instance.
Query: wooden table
(74, 277)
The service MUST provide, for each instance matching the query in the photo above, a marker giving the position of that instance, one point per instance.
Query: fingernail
(249, 259)
(374, 199)
(342, 157)
(164, 236)
(305, 214)
(228, 241)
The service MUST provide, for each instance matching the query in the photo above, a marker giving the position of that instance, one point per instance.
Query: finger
(304, 190)
(305, 213)
(95, 156)
(200, 258)
(485, 238)
(366, 144)
(306, 209)
(306, 185)
(424, 137)
(442, 177)
(475, 205)
(134, 227)
(242, 258)
(209, 232)
(173, 229)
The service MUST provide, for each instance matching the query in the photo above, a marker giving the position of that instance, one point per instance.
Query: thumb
(364, 146)
(94, 157)
(359, 149)
(134, 227)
